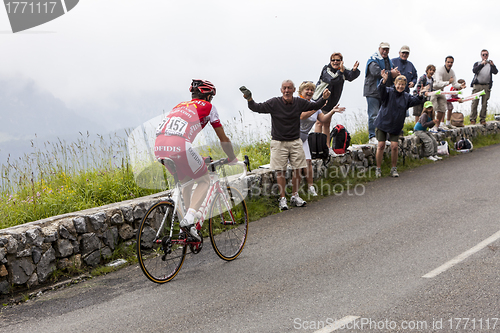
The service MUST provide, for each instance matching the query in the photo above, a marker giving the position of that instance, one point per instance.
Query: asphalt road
(356, 258)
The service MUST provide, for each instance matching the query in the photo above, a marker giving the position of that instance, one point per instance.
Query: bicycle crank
(194, 245)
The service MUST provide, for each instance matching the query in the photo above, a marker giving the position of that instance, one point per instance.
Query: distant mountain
(30, 113)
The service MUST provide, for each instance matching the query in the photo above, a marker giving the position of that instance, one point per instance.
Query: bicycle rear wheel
(161, 248)
(228, 224)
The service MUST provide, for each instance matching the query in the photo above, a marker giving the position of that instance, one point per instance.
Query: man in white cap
(375, 64)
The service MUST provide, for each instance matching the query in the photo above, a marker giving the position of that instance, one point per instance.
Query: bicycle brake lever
(247, 163)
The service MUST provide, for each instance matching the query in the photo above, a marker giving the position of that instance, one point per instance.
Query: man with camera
(483, 72)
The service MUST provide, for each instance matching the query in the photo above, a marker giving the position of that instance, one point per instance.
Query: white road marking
(337, 324)
(463, 256)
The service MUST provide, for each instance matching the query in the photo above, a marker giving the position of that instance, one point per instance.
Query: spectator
(483, 72)
(391, 117)
(377, 62)
(333, 77)
(425, 121)
(286, 144)
(443, 77)
(405, 67)
(424, 80)
(307, 121)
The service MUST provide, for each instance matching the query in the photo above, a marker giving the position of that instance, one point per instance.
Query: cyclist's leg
(186, 193)
(200, 192)
(196, 169)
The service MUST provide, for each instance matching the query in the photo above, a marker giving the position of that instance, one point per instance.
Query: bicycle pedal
(195, 246)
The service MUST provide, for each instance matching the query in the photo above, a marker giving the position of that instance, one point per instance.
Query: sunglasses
(335, 60)
(484, 54)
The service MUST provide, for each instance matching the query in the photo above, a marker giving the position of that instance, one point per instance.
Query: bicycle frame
(162, 243)
(215, 187)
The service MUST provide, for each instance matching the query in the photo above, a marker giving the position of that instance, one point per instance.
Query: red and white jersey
(187, 119)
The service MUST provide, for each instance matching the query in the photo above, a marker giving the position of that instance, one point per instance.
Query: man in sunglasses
(376, 63)
(483, 72)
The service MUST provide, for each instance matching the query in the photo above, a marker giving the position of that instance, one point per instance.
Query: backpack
(317, 146)
(340, 139)
(457, 119)
(463, 145)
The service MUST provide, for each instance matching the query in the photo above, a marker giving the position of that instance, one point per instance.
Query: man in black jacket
(483, 72)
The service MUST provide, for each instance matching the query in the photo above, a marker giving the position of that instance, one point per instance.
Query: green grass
(63, 193)
(66, 177)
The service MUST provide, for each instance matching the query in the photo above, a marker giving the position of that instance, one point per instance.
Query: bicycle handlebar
(211, 166)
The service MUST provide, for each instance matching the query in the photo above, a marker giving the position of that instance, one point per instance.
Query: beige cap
(405, 48)
(384, 45)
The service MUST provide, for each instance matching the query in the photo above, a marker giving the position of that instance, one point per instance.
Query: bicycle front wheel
(161, 247)
(228, 224)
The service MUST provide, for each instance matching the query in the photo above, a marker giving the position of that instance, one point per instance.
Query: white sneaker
(282, 204)
(378, 172)
(312, 191)
(187, 227)
(437, 157)
(297, 201)
(394, 172)
(373, 141)
(432, 158)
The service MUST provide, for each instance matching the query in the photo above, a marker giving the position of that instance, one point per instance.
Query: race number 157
(31, 8)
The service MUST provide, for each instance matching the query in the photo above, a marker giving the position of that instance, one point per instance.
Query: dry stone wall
(29, 253)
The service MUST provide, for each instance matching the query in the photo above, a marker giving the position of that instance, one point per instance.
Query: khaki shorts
(284, 151)
(382, 136)
(439, 102)
(417, 110)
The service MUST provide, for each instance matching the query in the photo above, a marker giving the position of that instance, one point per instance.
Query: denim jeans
(373, 107)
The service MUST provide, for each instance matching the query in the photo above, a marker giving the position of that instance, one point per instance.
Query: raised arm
(225, 143)
(326, 117)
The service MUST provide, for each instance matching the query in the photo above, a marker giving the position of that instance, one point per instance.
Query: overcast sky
(121, 62)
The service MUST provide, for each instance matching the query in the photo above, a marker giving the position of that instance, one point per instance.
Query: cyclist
(174, 137)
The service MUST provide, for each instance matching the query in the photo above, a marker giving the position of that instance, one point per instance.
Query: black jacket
(477, 68)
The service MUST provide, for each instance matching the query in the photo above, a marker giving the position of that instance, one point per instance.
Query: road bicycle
(162, 244)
